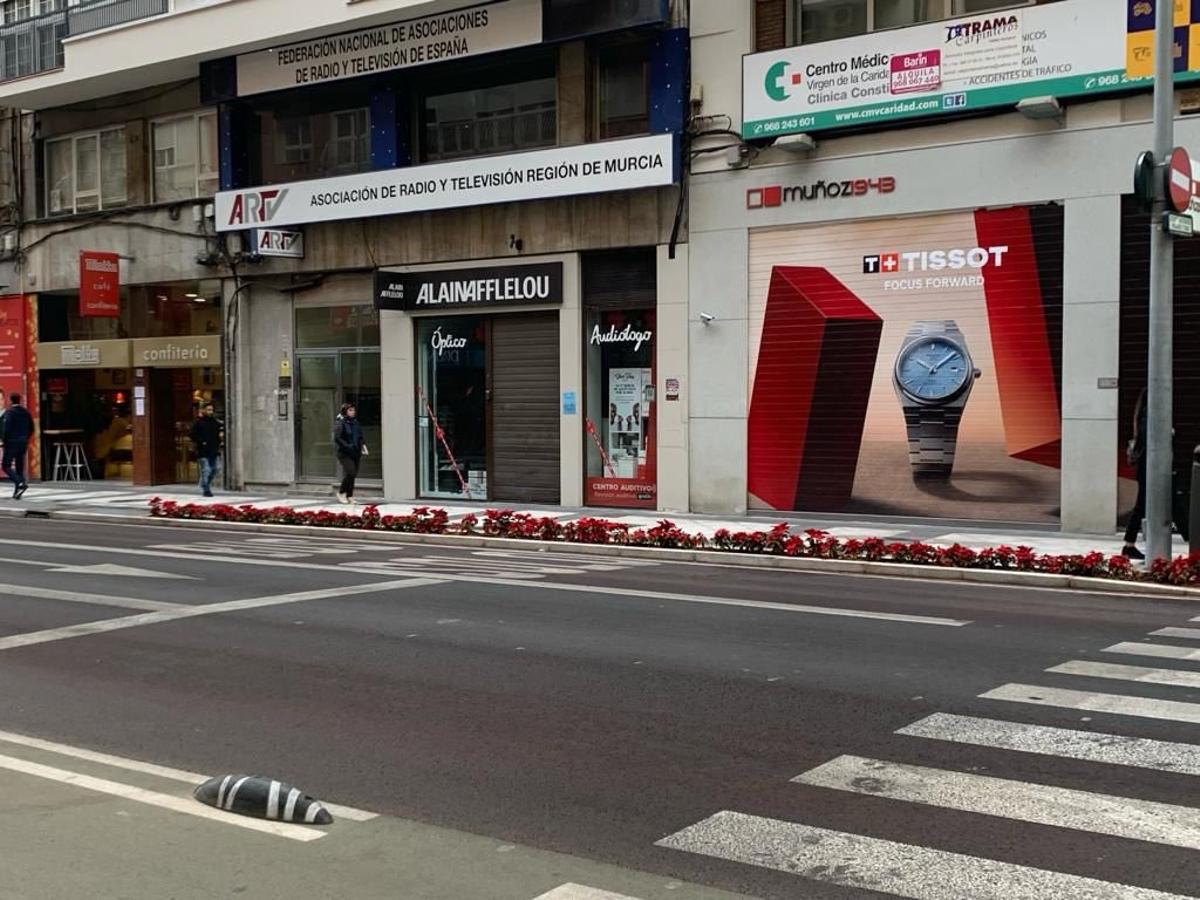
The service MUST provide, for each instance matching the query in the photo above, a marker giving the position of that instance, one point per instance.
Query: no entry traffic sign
(1179, 180)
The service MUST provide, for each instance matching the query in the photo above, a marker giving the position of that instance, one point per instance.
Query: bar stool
(70, 462)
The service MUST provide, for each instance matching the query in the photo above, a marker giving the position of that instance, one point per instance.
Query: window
(351, 143)
(185, 157)
(86, 172)
(827, 20)
(298, 145)
(492, 112)
(293, 141)
(622, 91)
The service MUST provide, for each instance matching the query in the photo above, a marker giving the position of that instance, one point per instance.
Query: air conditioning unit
(567, 19)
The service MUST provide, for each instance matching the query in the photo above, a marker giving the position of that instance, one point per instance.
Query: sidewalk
(124, 500)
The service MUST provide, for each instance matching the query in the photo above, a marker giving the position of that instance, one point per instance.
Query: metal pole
(1194, 506)
(1162, 270)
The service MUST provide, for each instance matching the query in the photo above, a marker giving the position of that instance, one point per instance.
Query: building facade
(463, 219)
(919, 276)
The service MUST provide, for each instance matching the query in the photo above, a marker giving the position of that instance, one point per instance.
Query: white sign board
(484, 28)
(280, 242)
(559, 172)
(1071, 48)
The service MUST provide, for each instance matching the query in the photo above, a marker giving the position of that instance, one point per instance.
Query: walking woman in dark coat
(348, 441)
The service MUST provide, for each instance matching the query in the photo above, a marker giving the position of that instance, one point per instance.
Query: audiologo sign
(777, 194)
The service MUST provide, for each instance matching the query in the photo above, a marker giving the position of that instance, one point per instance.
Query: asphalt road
(666, 729)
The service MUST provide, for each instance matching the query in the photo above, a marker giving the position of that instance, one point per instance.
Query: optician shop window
(484, 110)
(825, 20)
(621, 335)
(86, 172)
(185, 157)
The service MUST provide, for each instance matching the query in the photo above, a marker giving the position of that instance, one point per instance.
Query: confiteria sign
(559, 172)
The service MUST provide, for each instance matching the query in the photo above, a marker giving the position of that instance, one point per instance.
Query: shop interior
(95, 407)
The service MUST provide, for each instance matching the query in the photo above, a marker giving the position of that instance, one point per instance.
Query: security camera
(707, 318)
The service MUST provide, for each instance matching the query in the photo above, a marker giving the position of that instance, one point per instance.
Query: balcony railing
(97, 14)
(35, 45)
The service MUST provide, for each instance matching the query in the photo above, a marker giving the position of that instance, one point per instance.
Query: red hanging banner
(99, 284)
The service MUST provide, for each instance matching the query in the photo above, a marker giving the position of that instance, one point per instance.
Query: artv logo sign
(777, 195)
(256, 207)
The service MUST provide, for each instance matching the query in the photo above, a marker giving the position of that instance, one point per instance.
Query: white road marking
(581, 892)
(185, 805)
(1171, 677)
(1139, 820)
(211, 609)
(39, 593)
(1189, 633)
(1161, 651)
(729, 601)
(902, 870)
(541, 585)
(1112, 749)
(1117, 704)
(115, 571)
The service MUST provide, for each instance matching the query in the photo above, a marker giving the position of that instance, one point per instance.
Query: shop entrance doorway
(326, 380)
(488, 419)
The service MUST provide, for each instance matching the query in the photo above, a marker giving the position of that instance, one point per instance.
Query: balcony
(35, 45)
(32, 46)
(92, 15)
(98, 48)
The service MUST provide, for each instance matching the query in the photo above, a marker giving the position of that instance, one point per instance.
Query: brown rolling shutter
(525, 452)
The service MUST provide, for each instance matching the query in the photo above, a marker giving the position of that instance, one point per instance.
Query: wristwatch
(933, 377)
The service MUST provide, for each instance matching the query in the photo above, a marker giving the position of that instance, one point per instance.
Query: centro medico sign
(1065, 49)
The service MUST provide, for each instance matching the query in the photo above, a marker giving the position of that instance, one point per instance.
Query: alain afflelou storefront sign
(446, 290)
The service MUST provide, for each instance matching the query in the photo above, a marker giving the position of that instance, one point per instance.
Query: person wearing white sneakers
(348, 441)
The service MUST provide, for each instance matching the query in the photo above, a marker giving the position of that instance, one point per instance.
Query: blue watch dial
(933, 369)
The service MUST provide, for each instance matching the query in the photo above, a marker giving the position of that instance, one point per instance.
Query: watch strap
(932, 439)
(934, 328)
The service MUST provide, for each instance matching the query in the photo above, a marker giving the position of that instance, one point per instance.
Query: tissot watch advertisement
(909, 367)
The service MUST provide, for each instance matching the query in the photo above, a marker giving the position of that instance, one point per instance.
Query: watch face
(933, 369)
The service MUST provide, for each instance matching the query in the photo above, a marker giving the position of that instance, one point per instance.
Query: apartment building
(919, 273)
(463, 219)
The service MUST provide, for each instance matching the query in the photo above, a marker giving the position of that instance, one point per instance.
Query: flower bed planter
(777, 541)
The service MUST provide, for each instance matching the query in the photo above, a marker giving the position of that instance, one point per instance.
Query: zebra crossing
(867, 863)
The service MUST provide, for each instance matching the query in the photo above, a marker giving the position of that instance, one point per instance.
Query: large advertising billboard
(1065, 49)
(909, 367)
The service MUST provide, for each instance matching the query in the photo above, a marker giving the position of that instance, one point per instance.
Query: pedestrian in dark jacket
(207, 436)
(348, 441)
(16, 431)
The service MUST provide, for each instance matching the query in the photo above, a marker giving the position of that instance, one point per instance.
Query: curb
(994, 577)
